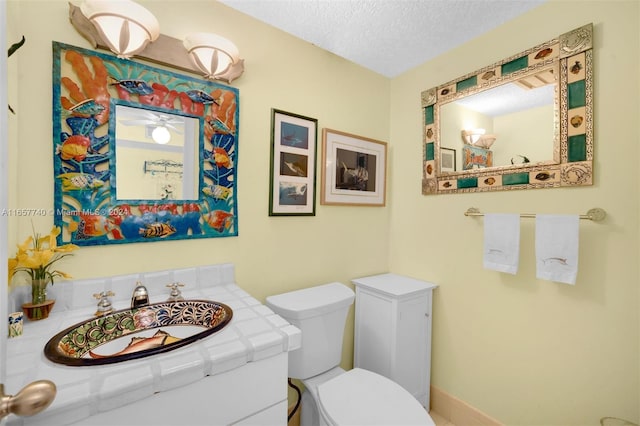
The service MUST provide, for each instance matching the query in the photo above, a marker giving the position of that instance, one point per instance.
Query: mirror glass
(141, 154)
(524, 122)
(519, 118)
(147, 167)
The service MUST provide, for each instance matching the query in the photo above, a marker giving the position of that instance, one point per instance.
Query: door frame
(4, 188)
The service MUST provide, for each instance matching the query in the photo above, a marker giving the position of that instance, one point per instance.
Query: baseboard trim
(457, 411)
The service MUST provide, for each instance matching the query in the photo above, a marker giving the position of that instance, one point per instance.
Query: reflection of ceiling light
(161, 135)
(211, 54)
(124, 25)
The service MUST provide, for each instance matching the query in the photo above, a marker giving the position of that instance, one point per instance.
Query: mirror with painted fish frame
(97, 101)
(523, 122)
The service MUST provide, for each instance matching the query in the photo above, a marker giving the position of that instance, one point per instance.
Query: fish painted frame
(292, 180)
(86, 87)
(354, 170)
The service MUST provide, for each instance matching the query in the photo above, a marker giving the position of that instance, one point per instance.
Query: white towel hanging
(557, 239)
(502, 242)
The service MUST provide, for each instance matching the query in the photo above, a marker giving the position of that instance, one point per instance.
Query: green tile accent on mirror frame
(515, 179)
(430, 152)
(471, 182)
(515, 65)
(577, 148)
(465, 84)
(576, 93)
(428, 115)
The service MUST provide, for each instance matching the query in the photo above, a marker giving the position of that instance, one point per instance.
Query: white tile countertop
(254, 333)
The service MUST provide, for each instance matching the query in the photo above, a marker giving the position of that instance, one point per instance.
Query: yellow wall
(522, 350)
(271, 254)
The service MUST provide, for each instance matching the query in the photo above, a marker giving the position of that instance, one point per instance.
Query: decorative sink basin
(137, 332)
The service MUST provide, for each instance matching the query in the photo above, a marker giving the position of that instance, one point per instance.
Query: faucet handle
(103, 294)
(175, 294)
(104, 304)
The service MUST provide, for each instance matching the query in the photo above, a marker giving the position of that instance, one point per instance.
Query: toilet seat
(361, 397)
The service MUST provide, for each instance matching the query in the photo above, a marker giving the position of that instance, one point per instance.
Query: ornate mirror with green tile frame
(524, 122)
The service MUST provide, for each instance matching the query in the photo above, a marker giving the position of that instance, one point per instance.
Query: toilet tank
(320, 313)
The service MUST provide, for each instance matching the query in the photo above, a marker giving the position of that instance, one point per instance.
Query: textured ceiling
(385, 36)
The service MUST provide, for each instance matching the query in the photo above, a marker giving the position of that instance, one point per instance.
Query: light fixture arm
(167, 51)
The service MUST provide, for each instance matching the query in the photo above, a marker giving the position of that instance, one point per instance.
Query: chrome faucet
(140, 296)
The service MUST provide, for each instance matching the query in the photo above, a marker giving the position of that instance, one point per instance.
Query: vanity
(237, 375)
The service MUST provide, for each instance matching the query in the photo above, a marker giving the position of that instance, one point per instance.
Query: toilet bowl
(361, 397)
(334, 396)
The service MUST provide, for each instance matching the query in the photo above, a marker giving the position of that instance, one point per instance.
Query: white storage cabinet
(393, 330)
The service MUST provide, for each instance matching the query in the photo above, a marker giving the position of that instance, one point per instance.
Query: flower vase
(40, 307)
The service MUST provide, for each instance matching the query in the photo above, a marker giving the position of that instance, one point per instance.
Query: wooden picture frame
(293, 164)
(354, 169)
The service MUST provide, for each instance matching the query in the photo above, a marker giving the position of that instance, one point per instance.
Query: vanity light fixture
(161, 135)
(125, 26)
(213, 55)
(128, 29)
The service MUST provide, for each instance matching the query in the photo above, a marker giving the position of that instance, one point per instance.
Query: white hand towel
(502, 242)
(557, 247)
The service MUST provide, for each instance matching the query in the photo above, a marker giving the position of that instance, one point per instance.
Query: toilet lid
(361, 397)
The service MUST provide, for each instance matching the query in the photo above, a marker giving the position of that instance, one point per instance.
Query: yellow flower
(63, 274)
(66, 248)
(22, 248)
(13, 263)
(37, 255)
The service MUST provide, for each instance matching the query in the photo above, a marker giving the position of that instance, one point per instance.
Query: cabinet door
(412, 344)
(374, 325)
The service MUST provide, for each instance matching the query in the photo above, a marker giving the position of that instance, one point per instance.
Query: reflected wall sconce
(127, 29)
(477, 137)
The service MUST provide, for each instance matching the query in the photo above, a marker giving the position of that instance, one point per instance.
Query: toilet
(334, 396)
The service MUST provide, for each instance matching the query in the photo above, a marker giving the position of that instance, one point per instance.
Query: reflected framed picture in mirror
(292, 184)
(447, 160)
(141, 154)
(354, 169)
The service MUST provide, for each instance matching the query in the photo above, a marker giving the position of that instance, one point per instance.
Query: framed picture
(293, 164)
(476, 158)
(447, 160)
(354, 169)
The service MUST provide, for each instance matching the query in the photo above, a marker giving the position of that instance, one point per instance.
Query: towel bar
(596, 214)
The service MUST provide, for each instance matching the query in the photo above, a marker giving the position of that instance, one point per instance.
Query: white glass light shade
(477, 137)
(472, 136)
(210, 53)
(161, 135)
(125, 26)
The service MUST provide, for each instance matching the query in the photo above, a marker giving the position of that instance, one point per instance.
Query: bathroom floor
(440, 420)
